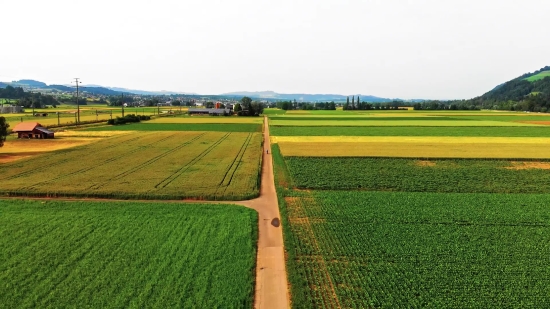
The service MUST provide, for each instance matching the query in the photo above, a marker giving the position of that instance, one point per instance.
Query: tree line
(394, 105)
(27, 99)
(293, 105)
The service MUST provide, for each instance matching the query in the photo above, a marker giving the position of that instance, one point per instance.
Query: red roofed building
(32, 130)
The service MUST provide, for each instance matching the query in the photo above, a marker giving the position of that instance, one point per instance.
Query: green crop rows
(393, 174)
(415, 250)
(126, 255)
(222, 127)
(411, 131)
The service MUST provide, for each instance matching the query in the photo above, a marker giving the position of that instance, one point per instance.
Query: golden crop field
(159, 165)
(422, 148)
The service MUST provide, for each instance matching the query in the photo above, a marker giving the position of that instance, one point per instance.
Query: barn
(32, 130)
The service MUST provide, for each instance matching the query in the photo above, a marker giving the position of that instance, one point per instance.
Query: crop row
(414, 250)
(411, 175)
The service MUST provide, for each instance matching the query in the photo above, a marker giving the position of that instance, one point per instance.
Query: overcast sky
(429, 49)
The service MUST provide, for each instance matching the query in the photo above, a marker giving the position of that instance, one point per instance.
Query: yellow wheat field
(72, 133)
(416, 149)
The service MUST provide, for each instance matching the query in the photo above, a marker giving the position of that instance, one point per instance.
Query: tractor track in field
(146, 163)
(93, 167)
(60, 162)
(168, 180)
(271, 290)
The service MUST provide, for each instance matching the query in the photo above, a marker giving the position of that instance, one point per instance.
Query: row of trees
(27, 99)
(293, 105)
(445, 105)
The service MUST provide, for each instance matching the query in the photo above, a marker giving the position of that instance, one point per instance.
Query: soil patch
(529, 165)
(544, 123)
(7, 158)
(424, 163)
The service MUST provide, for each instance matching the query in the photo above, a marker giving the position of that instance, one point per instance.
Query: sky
(429, 49)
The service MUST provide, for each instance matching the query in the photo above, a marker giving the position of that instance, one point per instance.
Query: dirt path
(271, 289)
(271, 279)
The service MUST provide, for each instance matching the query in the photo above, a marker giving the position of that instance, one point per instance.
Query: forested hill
(529, 92)
(516, 89)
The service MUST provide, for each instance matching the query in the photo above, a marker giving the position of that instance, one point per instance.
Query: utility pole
(122, 103)
(76, 81)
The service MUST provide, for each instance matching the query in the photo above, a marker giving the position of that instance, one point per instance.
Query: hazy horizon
(394, 49)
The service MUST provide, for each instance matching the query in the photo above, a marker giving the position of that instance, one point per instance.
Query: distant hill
(93, 90)
(517, 88)
(29, 83)
(144, 92)
(271, 95)
(3, 85)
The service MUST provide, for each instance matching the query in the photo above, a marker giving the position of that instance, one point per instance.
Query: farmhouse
(32, 130)
(209, 111)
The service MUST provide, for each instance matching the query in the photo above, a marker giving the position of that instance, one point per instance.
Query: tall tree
(353, 103)
(4, 125)
(347, 100)
(358, 103)
(245, 103)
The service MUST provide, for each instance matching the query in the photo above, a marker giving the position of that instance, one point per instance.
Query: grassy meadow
(414, 210)
(539, 76)
(126, 255)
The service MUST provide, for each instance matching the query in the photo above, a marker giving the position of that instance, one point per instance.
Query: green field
(407, 131)
(145, 126)
(146, 165)
(126, 255)
(397, 123)
(413, 175)
(539, 76)
(416, 250)
(364, 118)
